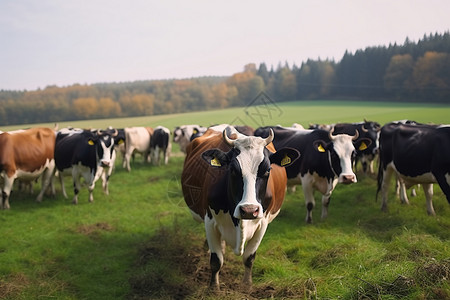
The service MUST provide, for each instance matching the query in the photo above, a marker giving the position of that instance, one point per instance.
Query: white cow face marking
(341, 158)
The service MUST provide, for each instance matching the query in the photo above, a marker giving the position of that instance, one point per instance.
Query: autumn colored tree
(397, 74)
(85, 108)
(431, 76)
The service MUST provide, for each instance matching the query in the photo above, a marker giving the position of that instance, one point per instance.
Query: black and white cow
(367, 153)
(184, 134)
(418, 154)
(104, 171)
(160, 143)
(325, 161)
(80, 153)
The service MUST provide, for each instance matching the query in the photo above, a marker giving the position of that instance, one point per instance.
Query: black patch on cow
(249, 261)
(309, 206)
(215, 265)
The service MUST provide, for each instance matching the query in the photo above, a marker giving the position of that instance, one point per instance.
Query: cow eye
(264, 174)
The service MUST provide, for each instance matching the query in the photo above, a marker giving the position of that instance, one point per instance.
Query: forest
(410, 72)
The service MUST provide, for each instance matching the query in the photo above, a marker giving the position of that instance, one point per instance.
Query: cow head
(247, 171)
(105, 146)
(341, 152)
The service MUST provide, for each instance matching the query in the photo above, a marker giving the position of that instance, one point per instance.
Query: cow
(79, 153)
(325, 161)
(367, 153)
(184, 134)
(137, 139)
(160, 142)
(119, 143)
(104, 171)
(26, 155)
(236, 187)
(418, 154)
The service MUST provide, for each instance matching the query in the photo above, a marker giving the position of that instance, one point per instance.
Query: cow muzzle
(249, 211)
(347, 178)
(105, 163)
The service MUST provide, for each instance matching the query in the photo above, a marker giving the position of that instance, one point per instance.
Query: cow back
(28, 150)
(197, 177)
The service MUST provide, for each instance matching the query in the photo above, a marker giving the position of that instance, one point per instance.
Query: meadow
(140, 242)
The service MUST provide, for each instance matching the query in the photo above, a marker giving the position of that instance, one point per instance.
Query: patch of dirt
(12, 285)
(94, 228)
(175, 265)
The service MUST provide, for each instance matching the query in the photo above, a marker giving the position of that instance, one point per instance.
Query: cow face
(248, 170)
(341, 154)
(105, 147)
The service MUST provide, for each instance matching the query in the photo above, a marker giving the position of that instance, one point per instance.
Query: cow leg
(46, 180)
(215, 247)
(325, 202)
(63, 187)
(428, 190)
(250, 254)
(444, 183)
(403, 194)
(128, 158)
(386, 180)
(310, 202)
(6, 192)
(76, 185)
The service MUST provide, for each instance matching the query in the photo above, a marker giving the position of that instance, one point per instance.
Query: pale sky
(64, 42)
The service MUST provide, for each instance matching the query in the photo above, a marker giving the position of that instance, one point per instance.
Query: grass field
(140, 242)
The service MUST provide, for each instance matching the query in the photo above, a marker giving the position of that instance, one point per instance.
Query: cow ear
(284, 157)
(320, 146)
(215, 158)
(362, 144)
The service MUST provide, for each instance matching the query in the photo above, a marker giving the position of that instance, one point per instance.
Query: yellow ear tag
(215, 162)
(195, 131)
(121, 141)
(91, 142)
(363, 146)
(286, 160)
(320, 148)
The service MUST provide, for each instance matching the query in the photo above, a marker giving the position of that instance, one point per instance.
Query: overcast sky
(63, 42)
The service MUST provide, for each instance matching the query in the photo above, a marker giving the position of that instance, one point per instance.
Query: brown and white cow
(236, 187)
(26, 155)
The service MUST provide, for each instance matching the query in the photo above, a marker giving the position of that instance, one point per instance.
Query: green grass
(140, 242)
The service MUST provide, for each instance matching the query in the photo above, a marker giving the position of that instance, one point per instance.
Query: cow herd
(30, 154)
(234, 178)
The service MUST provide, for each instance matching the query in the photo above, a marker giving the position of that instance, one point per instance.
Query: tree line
(414, 72)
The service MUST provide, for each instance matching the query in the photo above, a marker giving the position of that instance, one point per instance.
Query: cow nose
(105, 163)
(347, 179)
(249, 211)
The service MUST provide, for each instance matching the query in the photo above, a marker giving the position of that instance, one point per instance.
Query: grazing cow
(80, 153)
(367, 129)
(26, 155)
(184, 134)
(160, 142)
(137, 139)
(418, 154)
(326, 160)
(236, 187)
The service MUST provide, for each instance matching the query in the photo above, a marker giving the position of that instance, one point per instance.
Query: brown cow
(236, 186)
(26, 155)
